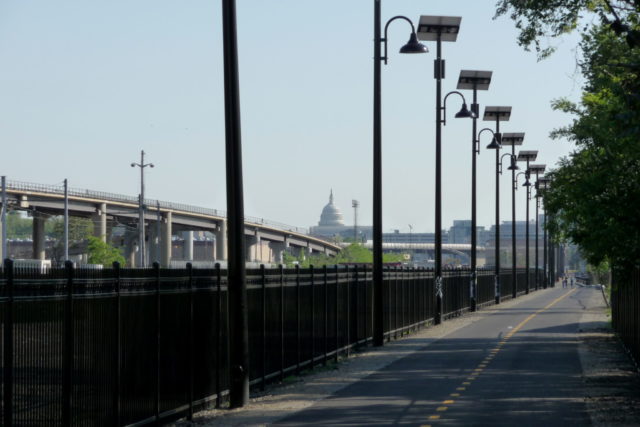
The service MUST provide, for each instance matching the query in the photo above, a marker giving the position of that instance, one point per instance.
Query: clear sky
(85, 85)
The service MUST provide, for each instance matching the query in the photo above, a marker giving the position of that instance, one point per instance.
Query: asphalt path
(518, 366)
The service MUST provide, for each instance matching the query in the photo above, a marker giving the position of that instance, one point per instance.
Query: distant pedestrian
(564, 282)
(572, 281)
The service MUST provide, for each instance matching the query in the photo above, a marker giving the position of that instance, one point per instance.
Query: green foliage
(354, 253)
(18, 226)
(595, 192)
(540, 20)
(103, 253)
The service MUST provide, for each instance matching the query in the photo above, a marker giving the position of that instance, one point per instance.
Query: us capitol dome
(332, 222)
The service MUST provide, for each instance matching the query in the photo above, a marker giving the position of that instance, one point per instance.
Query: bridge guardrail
(107, 196)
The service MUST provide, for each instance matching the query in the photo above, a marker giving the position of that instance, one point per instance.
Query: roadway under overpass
(266, 242)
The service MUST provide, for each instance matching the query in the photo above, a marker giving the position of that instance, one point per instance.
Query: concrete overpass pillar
(166, 240)
(188, 245)
(38, 236)
(221, 241)
(100, 222)
(278, 249)
(252, 247)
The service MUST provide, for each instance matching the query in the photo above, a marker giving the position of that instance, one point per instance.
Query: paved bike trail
(518, 366)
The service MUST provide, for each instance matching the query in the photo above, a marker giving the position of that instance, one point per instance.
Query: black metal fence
(625, 309)
(137, 346)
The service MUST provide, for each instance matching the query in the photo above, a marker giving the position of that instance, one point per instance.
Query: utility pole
(355, 204)
(141, 236)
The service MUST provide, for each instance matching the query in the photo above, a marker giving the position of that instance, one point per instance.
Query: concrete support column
(38, 236)
(100, 222)
(254, 248)
(221, 241)
(153, 246)
(188, 245)
(278, 249)
(166, 240)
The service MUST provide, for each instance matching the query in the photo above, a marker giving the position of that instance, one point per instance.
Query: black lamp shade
(513, 166)
(414, 46)
(495, 145)
(526, 184)
(464, 112)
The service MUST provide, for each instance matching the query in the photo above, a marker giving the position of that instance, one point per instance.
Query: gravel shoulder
(611, 379)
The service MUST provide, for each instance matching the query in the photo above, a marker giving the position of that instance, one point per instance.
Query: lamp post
(141, 236)
(474, 80)
(541, 185)
(497, 114)
(513, 139)
(527, 156)
(537, 170)
(237, 288)
(413, 46)
(438, 29)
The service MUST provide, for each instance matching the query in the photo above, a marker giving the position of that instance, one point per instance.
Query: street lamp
(513, 139)
(497, 114)
(527, 156)
(413, 46)
(438, 29)
(141, 237)
(474, 80)
(542, 184)
(537, 170)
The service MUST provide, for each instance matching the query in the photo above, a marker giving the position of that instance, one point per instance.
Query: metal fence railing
(625, 309)
(111, 347)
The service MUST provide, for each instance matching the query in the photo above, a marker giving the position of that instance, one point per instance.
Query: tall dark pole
(439, 68)
(498, 291)
(66, 220)
(378, 326)
(537, 209)
(526, 249)
(237, 290)
(544, 251)
(474, 235)
(514, 275)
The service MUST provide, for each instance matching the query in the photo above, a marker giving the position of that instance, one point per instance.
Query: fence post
(156, 404)
(191, 343)
(117, 356)
(68, 346)
(355, 270)
(8, 345)
(263, 299)
(281, 322)
(297, 319)
(313, 318)
(219, 333)
(348, 317)
(337, 311)
(326, 315)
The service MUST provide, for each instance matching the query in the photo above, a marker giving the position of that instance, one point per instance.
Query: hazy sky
(86, 84)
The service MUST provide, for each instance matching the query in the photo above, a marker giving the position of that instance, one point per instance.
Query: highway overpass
(266, 241)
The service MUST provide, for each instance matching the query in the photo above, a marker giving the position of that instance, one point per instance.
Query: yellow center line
(493, 352)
